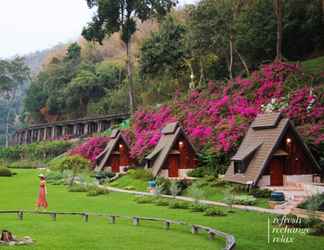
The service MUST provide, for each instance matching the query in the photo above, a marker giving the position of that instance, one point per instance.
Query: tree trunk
(230, 66)
(278, 7)
(243, 62)
(202, 77)
(130, 78)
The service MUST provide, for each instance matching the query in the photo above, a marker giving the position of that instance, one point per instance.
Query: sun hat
(41, 175)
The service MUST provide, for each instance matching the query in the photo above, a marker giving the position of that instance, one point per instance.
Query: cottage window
(239, 167)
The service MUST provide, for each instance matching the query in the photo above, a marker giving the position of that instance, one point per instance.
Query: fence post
(20, 215)
(167, 225)
(136, 221)
(113, 219)
(53, 215)
(194, 229)
(86, 217)
(211, 235)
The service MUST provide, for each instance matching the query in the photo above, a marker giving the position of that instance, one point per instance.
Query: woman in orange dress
(42, 202)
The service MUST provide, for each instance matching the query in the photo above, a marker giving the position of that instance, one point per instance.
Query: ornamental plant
(91, 148)
(220, 115)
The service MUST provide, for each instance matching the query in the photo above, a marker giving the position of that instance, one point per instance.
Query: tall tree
(12, 76)
(121, 16)
(278, 8)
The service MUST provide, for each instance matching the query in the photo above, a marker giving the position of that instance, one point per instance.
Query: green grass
(314, 66)
(20, 192)
(128, 182)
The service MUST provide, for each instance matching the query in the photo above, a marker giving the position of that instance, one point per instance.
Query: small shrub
(315, 203)
(95, 191)
(27, 164)
(161, 202)
(78, 188)
(144, 199)
(5, 172)
(198, 208)
(53, 177)
(244, 200)
(260, 193)
(212, 211)
(140, 174)
(197, 173)
(163, 185)
(318, 229)
(178, 204)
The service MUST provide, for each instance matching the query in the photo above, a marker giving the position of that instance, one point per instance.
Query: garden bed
(306, 213)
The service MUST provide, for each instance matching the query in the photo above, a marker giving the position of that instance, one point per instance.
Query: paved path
(207, 202)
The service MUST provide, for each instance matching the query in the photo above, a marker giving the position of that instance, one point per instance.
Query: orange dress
(41, 202)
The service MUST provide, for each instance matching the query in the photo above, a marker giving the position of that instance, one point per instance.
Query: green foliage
(197, 192)
(55, 178)
(260, 193)
(96, 191)
(313, 203)
(140, 174)
(198, 207)
(164, 52)
(211, 163)
(163, 202)
(144, 199)
(213, 211)
(76, 164)
(174, 204)
(163, 185)
(197, 172)
(26, 164)
(35, 151)
(247, 200)
(11, 153)
(5, 172)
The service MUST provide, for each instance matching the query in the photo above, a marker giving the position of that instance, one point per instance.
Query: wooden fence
(195, 228)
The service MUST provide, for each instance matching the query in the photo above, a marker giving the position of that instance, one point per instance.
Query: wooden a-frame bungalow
(116, 155)
(272, 154)
(174, 155)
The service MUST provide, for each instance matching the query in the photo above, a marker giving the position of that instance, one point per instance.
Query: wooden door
(276, 172)
(115, 164)
(173, 166)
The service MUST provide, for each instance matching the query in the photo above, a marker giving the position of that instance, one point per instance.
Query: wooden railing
(195, 228)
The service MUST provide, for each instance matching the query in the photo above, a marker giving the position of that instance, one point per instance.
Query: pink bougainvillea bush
(91, 148)
(219, 115)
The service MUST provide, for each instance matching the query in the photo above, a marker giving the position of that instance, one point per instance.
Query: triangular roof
(103, 157)
(170, 133)
(262, 140)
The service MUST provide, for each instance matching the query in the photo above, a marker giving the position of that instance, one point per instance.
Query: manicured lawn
(20, 192)
(127, 182)
(211, 193)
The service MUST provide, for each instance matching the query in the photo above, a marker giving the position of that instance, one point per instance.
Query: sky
(28, 26)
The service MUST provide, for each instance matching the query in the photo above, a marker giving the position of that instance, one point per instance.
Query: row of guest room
(272, 153)
(66, 129)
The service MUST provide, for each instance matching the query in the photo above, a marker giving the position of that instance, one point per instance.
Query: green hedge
(39, 151)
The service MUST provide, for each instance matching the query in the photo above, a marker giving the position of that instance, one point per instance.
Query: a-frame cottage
(116, 157)
(174, 155)
(272, 154)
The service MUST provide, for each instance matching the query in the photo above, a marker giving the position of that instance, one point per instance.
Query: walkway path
(207, 202)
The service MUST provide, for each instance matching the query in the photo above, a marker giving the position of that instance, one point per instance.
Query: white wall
(287, 179)
(264, 181)
(183, 173)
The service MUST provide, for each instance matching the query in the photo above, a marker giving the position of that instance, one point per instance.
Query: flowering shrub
(219, 116)
(91, 148)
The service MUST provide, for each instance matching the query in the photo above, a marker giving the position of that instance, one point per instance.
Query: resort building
(273, 154)
(174, 155)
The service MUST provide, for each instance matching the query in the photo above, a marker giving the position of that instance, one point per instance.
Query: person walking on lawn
(42, 202)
